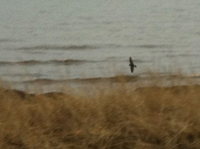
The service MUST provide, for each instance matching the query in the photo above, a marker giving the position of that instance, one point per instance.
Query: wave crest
(36, 62)
(58, 47)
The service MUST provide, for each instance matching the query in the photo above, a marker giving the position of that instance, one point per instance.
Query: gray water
(67, 39)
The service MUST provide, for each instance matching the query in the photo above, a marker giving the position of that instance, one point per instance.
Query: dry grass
(113, 118)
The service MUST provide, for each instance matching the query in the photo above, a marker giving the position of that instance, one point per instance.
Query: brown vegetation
(112, 118)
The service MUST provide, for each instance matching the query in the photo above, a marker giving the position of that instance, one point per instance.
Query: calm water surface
(57, 40)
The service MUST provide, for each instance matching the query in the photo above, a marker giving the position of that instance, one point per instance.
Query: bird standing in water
(131, 64)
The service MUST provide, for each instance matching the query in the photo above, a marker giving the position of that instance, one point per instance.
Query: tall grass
(114, 117)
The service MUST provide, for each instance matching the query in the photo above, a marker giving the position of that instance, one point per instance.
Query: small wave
(153, 46)
(190, 55)
(118, 78)
(57, 47)
(145, 46)
(3, 40)
(182, 55)
(69, 61)
(139, 61)
(91, 47)
(122, 59)
(36, 62)
(113, 79)
(43, 81)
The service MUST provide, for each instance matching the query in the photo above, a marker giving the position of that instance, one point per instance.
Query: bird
(131, 64)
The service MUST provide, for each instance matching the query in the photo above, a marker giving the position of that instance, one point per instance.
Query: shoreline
(149, 80)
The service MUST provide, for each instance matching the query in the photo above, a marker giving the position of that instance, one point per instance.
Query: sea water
(51, 41)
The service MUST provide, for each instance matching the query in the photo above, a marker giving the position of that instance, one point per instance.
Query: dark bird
(131, 64)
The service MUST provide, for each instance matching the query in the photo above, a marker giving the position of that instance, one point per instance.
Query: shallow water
(59, 40)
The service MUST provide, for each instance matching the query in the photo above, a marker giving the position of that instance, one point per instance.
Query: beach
(66, 82)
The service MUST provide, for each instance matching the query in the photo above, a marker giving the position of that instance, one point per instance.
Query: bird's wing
(132, 68)
(131, 61)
